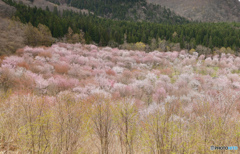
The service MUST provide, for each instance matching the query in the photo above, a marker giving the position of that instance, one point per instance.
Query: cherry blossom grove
(155, 77)
(67, 95)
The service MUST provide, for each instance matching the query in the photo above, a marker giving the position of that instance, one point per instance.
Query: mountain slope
(133, 10)
(44, 3)
(106, 31)
(6, 10)
(204, 10)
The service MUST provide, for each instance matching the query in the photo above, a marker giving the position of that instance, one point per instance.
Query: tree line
(131, 10)
(102, 31)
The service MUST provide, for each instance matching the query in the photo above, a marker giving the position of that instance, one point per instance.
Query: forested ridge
(204, 10)
(102, 31)
(132, 10)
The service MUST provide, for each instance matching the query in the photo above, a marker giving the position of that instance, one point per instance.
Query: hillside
(44, 3)
(6, 11)
(115, 33)
(63, 98)
(111, 82)
(123, 34)
(133, 10)
(204, 10)
(15, 34)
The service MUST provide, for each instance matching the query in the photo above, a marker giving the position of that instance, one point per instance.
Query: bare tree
(126, 119)
(102, 121)
(68, 121)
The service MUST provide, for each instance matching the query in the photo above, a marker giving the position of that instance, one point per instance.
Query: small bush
(110, 72)
(23, 64)
(20, 52)
(45, 54)
(61, 68)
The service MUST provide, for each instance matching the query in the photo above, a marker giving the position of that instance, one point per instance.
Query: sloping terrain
(12, 35)
(6, 10)
(204, 10)
(43, 4)
(64, 97)
(133, 10)
(86, 68)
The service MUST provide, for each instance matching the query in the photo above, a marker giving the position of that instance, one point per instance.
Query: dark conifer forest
(103, 30)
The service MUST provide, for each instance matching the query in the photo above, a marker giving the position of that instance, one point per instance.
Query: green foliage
(102, 31)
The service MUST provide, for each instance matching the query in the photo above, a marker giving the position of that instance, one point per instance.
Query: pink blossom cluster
(153, 78)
